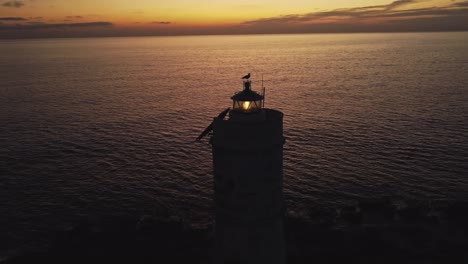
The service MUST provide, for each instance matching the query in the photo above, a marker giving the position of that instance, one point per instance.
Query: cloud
(12, 19)
(161, 22)
(62, 25)
(16, 4)
(78, 17)
(363, 13)
(380, 18)
(399, 3)
(36, 23)
(434, 11)
(461, 4)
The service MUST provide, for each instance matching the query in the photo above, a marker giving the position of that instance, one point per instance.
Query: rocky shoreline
(378, 231)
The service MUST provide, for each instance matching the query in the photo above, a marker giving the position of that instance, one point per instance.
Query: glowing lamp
(247, 101)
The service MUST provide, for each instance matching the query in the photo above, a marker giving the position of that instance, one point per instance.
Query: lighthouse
(247, 144)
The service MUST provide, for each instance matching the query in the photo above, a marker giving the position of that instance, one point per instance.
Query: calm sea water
(105, 127)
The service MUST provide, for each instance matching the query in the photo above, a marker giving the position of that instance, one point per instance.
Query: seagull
(246, 77)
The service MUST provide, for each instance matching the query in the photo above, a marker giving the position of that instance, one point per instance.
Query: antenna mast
(263, 93)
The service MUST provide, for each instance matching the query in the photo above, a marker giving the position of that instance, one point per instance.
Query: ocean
(104, 127)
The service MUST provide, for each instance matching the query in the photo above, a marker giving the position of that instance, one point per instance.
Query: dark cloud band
(12, 19)
(384, 11)
(64, 25)
(16, 4)
(161, 22)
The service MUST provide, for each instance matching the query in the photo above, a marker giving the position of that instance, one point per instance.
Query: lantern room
(247, 101)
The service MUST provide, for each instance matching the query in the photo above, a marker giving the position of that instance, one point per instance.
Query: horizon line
(237, 34)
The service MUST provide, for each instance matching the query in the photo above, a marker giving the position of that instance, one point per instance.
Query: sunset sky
(67, 18)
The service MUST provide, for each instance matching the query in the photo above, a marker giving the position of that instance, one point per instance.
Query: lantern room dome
(247, 95)
(247, 101)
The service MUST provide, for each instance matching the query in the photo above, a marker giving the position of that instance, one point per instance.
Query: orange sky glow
(64, 18)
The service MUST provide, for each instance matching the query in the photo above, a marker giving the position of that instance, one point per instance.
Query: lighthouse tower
(248, 181)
